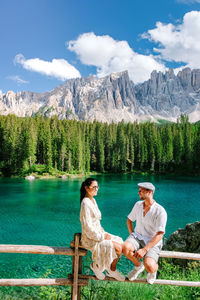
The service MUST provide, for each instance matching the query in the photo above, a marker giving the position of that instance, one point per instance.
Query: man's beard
(142, 197)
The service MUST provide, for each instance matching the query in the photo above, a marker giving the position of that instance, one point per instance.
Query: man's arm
(129, 225)
(143, 251)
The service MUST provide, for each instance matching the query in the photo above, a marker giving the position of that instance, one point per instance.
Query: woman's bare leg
(118, 250)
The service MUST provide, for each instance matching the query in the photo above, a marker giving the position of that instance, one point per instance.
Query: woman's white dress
(92, 238)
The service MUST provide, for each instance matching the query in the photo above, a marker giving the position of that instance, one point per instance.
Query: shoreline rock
(184, 240)
(30, 177)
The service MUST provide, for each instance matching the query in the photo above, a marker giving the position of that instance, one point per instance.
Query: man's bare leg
(128, 250)
(150, 265)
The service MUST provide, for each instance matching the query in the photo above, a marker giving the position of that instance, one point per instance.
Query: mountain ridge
(113, 98)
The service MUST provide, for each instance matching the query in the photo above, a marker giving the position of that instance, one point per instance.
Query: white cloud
(17, 79)
(188, 1)
(1, 93)
(109, 55)
(178, 43)
(58, 68)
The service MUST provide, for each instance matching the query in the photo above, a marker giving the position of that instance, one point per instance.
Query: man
(146, 240)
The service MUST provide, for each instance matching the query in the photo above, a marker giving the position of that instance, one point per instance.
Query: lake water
(46, 212)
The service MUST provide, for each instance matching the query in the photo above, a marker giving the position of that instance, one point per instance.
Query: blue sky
(45, 42)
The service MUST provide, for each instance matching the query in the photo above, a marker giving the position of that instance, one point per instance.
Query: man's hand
(107, 236)
(140, 253)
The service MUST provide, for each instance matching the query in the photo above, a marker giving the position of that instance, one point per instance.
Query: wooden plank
(167, 254)
(142, 280)
(37, 249)
(181, 255)
(177, 282)
(75, 295)
(40, 282)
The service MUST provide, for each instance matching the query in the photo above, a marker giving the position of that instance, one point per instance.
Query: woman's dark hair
(85, 183)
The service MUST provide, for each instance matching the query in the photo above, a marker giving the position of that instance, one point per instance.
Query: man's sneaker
(115, 274)
(151, 277)
(135, 272)
(97, 272)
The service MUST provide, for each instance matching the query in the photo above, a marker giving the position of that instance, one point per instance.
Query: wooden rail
(35, 249)
(76, 280)
(180, 255)
(166, 254)
(143, 280)
(41, 281)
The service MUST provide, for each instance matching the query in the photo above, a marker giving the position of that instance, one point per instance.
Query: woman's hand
(107, 236)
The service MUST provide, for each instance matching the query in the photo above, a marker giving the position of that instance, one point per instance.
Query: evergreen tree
(75, 146)
(28, 143)
(121, 147)
(100, 147)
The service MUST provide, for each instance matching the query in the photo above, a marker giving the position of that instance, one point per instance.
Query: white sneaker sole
(135, 276)
(115, 277)
(100, 276)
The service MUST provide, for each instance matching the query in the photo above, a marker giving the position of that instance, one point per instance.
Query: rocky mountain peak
(123, 74)
(113, 98)
(167, 93)
(195, 80)
(10, 94)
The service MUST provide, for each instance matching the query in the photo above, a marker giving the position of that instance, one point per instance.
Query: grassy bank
(43, 172)
(127, 291)
(101, 290)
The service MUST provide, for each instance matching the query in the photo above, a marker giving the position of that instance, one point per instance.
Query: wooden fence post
(76, 269)
(79, 272)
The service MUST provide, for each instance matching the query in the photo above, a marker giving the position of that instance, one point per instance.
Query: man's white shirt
(147, 226)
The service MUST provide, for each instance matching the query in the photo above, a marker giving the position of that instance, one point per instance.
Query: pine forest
(79, 147)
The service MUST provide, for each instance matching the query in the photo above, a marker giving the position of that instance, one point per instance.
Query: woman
(105, 248)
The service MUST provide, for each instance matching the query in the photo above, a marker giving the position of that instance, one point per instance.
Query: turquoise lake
(46, 212)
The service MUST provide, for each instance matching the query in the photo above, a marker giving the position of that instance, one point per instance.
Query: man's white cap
(147, 185)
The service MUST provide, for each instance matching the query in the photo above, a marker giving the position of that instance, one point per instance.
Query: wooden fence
(76, 280)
